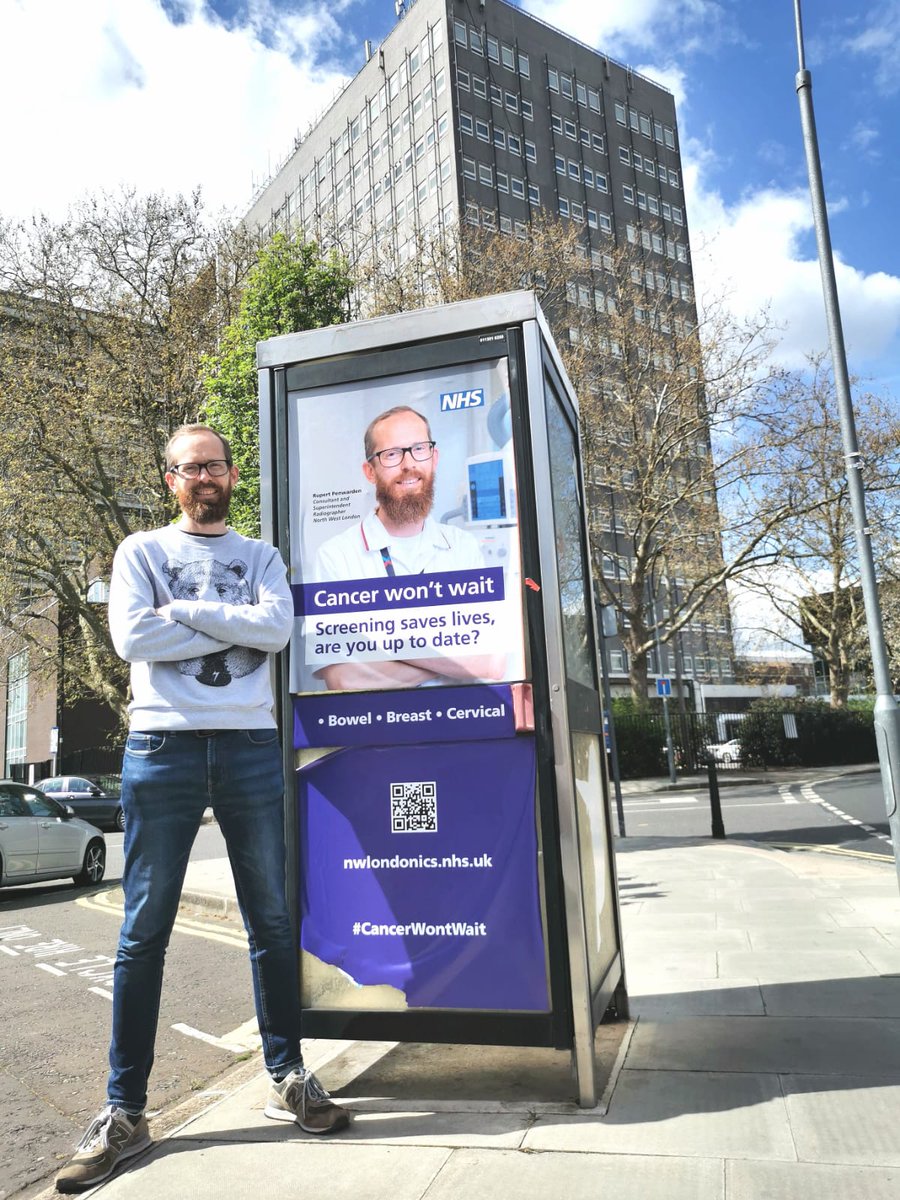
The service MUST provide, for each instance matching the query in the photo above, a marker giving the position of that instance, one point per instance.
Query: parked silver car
(42, 839)
(90, 796)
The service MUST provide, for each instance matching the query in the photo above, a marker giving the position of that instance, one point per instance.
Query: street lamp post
(887, 714)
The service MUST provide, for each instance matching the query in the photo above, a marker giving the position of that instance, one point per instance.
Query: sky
(177, 94)
(173, 95)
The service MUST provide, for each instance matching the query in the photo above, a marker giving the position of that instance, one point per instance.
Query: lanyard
(385, 554)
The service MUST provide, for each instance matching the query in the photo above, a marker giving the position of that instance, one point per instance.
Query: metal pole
(670, 751)
(607, 618)
(717, 826)
(887, 714)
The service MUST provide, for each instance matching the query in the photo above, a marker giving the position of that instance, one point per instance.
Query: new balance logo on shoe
(112, 1136)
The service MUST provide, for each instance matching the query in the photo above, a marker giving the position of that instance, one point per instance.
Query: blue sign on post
(664, 687)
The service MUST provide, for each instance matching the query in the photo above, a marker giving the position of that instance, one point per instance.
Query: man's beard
(406, 507)
(206, 510)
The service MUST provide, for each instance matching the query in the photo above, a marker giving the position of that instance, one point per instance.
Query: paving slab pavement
(762, 1064)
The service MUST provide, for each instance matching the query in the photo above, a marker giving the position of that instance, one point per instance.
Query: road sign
(664, 687)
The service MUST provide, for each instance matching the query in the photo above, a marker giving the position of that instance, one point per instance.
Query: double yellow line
(104, 902)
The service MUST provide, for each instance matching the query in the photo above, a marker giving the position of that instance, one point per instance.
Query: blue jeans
(168, 779)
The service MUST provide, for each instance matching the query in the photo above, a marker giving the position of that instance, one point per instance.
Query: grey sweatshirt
(196, 617)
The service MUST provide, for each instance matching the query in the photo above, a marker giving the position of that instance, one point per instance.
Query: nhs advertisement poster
(418, 869)
(405, 561)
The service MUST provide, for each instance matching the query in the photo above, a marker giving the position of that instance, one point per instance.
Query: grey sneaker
(110, 1137)
(300, 1097)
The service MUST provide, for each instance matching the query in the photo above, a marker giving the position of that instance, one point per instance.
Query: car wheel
(94, 865)
(120, 820)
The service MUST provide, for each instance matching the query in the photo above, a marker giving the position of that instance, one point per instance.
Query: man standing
(196, 609)
(401, 537)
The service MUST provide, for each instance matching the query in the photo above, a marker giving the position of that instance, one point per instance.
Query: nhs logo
(451, 401)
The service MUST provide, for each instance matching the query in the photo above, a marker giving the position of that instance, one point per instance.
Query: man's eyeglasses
(215, 466)
(393, 457)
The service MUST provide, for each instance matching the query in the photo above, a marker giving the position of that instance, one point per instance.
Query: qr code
(414, 808)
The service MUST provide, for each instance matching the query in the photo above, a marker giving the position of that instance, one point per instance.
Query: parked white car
(725, 753)
(43, 839)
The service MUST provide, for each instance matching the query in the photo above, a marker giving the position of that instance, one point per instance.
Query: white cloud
(864, 138)
(755, 250)
(761, 624)
(97, 93)
(619, 29)
(880, 41)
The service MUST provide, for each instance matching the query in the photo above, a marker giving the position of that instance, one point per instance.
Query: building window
(566, 86)
(534, 194)
(499, 138)
(496, 95)
(593, 100)
(505, 224)
(502, 181)
(620, 112)
(530, 151)
(588, 176)
(571, 131)
(514, 143)
(563, 206)
(556, 123)
(465, 122)
(581, 93)
(472, 214)
(606, 222)
(468, 167)
(475, 43)
(482, 131)
(462, 78)
(628, 193)
(507, 57)
(486, 174)
(645, 125)
(518, 188)
(460, 33)
(479, 87)
(16, 709)
(493, 49)
(552, 79)
(574, 170)
(577, 211)
(560, 164)
(488, 218)
(598, 142)
(521, 230)
(592, 218)
(524, 66)
(625, 155)
(527, 109)
(601, 182)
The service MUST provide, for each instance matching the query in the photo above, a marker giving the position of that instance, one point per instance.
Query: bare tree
(677, 413)
(104, 321)
(815, 588)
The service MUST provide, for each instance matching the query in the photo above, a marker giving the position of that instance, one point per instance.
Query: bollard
(715, 807)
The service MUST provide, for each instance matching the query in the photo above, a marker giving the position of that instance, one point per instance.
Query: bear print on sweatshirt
(209, 579)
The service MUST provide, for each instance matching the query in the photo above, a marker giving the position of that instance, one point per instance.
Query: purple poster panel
(405, 560)
(423, 876)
